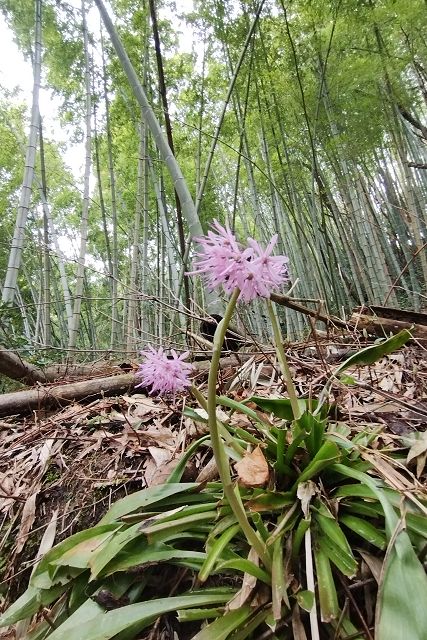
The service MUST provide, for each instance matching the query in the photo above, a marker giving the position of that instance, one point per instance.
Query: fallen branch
(20, 402)
(285, 301)
(380, 326)
(47, 396)
(14, 367)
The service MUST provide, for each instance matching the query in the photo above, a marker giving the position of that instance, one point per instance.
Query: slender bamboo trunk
(168, 126)
(74, 329)
(189, 210)
(131, 328)
(10, 282)
(47, 335)
(115, 326)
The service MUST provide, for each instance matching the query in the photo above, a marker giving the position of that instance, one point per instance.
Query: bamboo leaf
(366, 356)
(375, 352)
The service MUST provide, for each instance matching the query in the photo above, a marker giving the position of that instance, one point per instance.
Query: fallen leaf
(253, 470)
(419, 451)
(27, 521)
(48, 539)
(141, 406)
(162, 473)
(248, 585)
(160, 455)
(375, 564)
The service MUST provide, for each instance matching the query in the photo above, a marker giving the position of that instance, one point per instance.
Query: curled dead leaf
(253, 470)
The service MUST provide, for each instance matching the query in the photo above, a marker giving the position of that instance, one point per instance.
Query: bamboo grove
(304, 118)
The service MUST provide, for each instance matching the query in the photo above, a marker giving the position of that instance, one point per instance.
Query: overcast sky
(15, 71)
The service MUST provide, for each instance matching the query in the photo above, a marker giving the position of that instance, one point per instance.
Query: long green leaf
(143, 499)
(365, 530)
(140, 554)
(245, 566)
(215, 551)
(278, 582)
(402, 594)
(120, 539)
(343, 561)
(327, 455)
(328, 598)
(176, 474)
(280, 407)
(330, 527)
(29, 603)
(74, 551)
(221, 628)
(375, 352)
(101, 625)
(366, 356)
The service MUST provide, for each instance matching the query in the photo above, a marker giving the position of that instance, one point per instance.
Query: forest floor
(62, 468)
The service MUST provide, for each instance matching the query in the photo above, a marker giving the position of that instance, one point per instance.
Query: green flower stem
(198, 395)
(283, 362)
(221, 459)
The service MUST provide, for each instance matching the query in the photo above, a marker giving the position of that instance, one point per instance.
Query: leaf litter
(61, 470)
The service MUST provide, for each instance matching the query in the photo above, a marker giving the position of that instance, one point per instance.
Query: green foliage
(324, 490)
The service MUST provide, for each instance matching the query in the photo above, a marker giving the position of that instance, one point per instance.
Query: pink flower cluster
(252, 270)
(165, 374)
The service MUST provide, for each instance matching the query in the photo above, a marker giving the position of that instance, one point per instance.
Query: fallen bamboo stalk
(45, 396)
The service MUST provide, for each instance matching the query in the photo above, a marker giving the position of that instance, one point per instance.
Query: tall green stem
(223, 431)
(283, 361)
(221, 459)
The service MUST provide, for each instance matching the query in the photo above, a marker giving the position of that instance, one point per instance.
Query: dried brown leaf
(27, 520)
(253, 470)
(162, 472)
(160, 455)
(141, 406)
(375, 564)
(419, 451)
(248, 585)
(297, 625)
(49, 536)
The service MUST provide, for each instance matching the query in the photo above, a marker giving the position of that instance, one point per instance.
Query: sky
(15, 71)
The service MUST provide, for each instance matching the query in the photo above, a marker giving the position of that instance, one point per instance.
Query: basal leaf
(103, 625)
(29, 603)
(221, 628)
(402, 594)
(143, 499)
